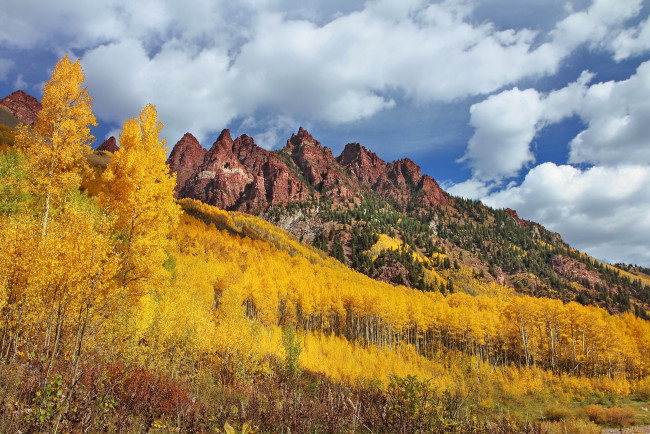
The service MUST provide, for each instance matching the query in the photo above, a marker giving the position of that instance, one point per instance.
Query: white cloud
(631, 42)
(602, 210)
(594, 25)
(338, 62)
(190, 90)
(505, 125)
(311, 64)
(618, 117)
(471, 189)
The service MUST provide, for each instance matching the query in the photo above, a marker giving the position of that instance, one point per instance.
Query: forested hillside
(342, 204)
(123, 309)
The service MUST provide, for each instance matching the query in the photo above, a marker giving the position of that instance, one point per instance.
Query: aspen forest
(124, 309)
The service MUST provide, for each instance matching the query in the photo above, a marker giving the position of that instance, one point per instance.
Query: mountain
(180, 316)
(345, 205)
(239, 175)
(432, 240)
(109, 145)
(23, 106)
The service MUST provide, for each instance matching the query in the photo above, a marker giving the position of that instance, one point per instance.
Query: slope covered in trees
(340, 203)
(122, 309)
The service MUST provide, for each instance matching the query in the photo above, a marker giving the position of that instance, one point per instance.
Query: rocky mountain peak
(244, 147)
(23, 106)
(299, 140)
(404, 172)
(315, 162)
(521, 222)
(109, 145)
(223, 141)
(363, 164)
(186, 156)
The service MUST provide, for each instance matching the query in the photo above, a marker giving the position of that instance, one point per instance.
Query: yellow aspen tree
(139, 192)
(57, 144)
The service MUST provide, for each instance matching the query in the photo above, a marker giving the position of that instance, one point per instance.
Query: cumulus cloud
(618, 118)
(617, 115)
(602, 210)
(631, 42)
(470, 188)
(595, 25)
(506, 123)
(209, 62)
(188, 89)
(310, 64)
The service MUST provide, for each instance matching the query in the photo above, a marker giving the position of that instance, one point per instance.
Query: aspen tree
(57, 144)
(139, 191)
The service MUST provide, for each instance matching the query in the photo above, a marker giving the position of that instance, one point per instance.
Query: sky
(539, 106)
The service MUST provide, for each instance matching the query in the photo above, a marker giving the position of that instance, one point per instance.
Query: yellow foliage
(57, 144)
(139, 192)
(210, 290)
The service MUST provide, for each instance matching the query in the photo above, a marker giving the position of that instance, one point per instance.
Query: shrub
(615, 416)
(556, 413)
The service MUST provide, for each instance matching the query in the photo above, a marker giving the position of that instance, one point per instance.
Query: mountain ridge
(345, 178)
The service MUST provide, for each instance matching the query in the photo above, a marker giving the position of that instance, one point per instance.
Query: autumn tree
(57, 144)
(139, 192)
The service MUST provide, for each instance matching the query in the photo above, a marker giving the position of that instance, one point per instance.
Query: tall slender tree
(57, 144)
(139, 192)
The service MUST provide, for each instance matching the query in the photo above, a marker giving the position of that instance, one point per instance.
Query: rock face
(23, 106)
(432, 194)
(512, 213)
(109, 145)
(363, 165)
(397, 180)
(185, 158)
(239, 175)
(318, 166)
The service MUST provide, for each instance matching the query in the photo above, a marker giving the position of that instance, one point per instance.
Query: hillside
(343, 204)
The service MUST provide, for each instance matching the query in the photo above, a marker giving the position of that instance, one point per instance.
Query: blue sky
(540, 106)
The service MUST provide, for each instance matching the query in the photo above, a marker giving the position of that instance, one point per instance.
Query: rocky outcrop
(239, 175)
(109, 145)
(431, 194)
(186, 156)
(404, 173)
(512, 213)
(363, 165)
(393, 272)
(576, 270)
(24, 107)
(398, 180)
(318, 166)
